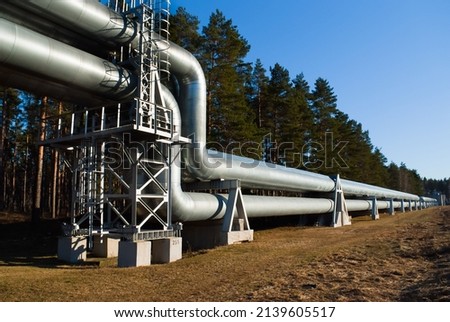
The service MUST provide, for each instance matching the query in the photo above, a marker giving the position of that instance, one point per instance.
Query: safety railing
(100, 121)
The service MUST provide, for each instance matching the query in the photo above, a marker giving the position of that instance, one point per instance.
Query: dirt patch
(405, 257)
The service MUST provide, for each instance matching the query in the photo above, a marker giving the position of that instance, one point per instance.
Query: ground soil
(405, 257)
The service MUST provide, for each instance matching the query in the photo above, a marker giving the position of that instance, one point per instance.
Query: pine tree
(394, 176)
(324, 109)
(230, 118)
(301, 120)
(278, 102)
(258, 91)
(184, 30)
(378, 169)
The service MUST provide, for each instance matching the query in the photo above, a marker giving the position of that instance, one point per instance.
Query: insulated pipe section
(13, 12)
(363, 205)
(367, 190)
(25, 81)
(90, 17)
(43, 57)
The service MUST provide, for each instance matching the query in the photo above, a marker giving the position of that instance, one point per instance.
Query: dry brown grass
(405, 257)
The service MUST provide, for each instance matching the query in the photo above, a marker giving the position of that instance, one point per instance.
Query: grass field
(405, 257)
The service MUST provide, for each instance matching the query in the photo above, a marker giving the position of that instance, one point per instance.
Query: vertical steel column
(133, 186)
(391, 209)
(375, 215)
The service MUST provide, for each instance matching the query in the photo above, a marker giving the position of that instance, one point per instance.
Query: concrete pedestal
(105, 247)
(134, 254)
(166, 250)
(72, 249)
(236, 237)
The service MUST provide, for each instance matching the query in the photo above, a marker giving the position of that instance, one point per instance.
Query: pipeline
(209, 206)
(206, 165)
(65, 67)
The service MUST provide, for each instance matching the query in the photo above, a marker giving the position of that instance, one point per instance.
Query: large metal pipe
(366, 205)
(88, 18)
(17, 79)
(57, 63)
(15, 11)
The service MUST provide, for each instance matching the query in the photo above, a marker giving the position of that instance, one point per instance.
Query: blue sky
(387, 60)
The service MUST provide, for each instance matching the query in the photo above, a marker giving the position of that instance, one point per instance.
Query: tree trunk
(55, 186)
(56, 177)
(36, 213)
(2, 148)
(15, 202)
(25, 180)
(259, 109)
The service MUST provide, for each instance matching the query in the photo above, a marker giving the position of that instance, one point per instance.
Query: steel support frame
(145, 195)
(120, 197)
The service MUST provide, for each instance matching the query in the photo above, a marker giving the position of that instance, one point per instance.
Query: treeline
(434, 186)
(33, 178)
(297, 124)
(265, 114)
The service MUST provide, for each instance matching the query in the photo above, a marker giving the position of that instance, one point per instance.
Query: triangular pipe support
(341, 216)
(235, 208)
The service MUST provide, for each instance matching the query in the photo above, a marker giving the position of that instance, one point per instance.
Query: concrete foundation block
(72, 249)
(236, 237)
(166, 250)
(105, 247)
(134, 253)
